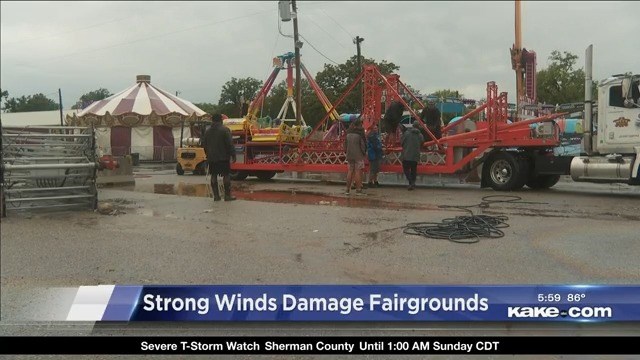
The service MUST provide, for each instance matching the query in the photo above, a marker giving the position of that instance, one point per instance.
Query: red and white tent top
(142, 99)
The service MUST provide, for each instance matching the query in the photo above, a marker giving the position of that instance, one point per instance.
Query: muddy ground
(166, 230)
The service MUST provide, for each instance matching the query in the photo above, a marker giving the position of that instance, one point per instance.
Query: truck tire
(179, 169)
(505, 171)
(542, 181)
(266, 175)
(238, 175)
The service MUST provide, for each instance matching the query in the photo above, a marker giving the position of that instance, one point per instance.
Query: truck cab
(618, 115)
(612, 139)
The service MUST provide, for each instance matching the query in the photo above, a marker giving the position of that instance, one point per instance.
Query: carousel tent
(141, 119)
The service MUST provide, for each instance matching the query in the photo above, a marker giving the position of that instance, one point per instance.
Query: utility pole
(60, 103)
(357, 41)
(298, 45)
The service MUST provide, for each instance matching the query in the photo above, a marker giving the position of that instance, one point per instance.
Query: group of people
(358, 146)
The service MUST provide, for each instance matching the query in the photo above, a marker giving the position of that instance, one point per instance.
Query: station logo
(537, 312)
(621, 122)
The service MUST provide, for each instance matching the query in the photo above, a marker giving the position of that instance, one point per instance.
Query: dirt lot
(167, 231)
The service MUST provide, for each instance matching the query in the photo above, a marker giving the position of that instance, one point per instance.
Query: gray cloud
(195, 47)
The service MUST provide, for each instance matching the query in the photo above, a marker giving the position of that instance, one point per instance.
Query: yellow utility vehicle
(190, 155)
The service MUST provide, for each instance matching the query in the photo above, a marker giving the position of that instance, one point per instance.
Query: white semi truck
(611, 140)
(610, 151)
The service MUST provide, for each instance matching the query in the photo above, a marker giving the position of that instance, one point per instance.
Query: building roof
(35, 118)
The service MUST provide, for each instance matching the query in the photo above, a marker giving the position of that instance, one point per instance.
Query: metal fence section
(48, 167)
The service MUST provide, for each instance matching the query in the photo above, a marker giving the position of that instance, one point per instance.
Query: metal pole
(298, 45)
(182, 134)
(60, 103)
(357, 41)
(518, 60)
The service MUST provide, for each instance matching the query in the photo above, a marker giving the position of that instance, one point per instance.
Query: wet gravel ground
(167, 231)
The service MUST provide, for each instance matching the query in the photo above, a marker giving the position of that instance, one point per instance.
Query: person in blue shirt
(374, 153)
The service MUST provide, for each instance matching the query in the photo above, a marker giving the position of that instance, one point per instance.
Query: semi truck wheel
(505, 172)
(266, 175)
(179, 169)
(543, 181)
(238, 175)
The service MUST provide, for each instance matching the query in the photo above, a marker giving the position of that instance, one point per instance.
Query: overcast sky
(195, 47)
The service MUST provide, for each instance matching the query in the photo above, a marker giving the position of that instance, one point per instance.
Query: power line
(280, 30)
(318, 51)
(340, 25)
(325, 31)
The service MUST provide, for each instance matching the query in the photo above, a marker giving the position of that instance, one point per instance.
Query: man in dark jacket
(218, 146)
(412, 141)
(392, 117)
(431, 117)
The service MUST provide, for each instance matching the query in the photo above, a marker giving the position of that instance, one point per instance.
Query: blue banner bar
(580, 303)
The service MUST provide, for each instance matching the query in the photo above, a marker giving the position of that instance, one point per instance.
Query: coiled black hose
(467, 229)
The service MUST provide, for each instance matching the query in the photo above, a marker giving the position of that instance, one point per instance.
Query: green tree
(209, 108)
(447, 94)
(4, 97)
(560, 83)
(235, 92)
(312, 109)
(335, 79)
(274, 100)
(95, 95)
(36, 102)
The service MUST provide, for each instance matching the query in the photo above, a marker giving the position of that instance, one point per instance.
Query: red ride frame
(437, 154)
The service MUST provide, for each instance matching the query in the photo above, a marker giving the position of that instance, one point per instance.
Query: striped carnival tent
(141, 119)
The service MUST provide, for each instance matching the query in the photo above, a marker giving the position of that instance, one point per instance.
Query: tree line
(559, 83)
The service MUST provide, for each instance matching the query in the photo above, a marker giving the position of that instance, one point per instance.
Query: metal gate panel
(48, 167)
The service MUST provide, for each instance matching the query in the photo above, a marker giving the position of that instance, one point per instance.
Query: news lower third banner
(356, 303)
(321, 345)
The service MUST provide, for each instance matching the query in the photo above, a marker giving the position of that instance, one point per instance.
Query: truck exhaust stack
(588, 109)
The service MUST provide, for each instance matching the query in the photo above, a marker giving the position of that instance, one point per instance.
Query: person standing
(374, 152)
(355, 147)
(431, 117)
(218, 146)
(391, 120)
(412, 140)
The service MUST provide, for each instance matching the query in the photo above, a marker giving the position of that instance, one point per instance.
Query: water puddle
(281, 196)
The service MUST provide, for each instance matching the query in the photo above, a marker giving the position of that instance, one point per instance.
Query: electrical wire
(325, 31)
(337, 23)
(467, 229)
(280, 29)
(318, 51)
(308, 42)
